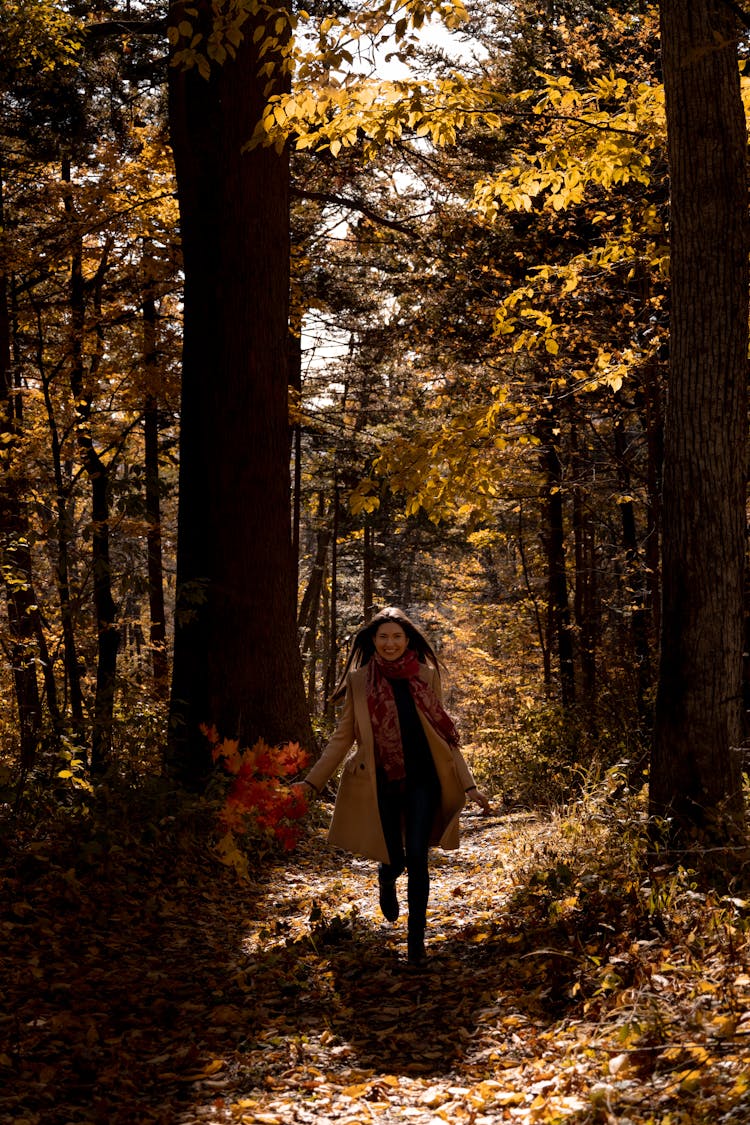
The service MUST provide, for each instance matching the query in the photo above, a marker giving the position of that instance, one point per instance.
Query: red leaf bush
(260, 797)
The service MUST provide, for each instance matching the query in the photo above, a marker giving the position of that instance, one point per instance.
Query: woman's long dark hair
(363, 645)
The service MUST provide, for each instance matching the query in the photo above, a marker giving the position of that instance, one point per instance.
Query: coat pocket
(356, 764)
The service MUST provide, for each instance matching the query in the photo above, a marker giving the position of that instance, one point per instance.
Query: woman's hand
(307, 789)
(479, 798)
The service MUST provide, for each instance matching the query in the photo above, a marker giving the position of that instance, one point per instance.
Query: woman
(404, 780)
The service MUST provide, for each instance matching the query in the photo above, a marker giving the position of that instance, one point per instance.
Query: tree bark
(64, 535)
(157, 624)
(81, 384)
(333, 638)
(585, 608)
(309, 612)
(695, 769)
(368, 552)
(553, 537)
(15, 550)
(635, 582)
(295, 385)
(237, 664)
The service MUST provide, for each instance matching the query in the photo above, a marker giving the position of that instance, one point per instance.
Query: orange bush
(260, 796)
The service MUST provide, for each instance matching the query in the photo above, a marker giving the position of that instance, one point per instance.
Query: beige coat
(356, 823)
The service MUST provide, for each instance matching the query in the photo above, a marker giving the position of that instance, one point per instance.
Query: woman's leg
(390, 806)
(419, 813)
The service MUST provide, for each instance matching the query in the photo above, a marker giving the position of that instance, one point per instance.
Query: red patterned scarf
(389, 751)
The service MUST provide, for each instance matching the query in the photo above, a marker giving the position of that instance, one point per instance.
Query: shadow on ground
(122, 975)
(131, 988)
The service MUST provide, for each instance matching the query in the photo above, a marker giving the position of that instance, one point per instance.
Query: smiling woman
(390, 641)
(404, 780)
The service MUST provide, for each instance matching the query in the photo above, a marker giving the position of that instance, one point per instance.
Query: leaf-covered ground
(142, 984)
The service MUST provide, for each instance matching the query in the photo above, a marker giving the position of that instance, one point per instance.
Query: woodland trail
(151, 989)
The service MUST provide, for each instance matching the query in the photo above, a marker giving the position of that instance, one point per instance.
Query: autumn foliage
(260, 800)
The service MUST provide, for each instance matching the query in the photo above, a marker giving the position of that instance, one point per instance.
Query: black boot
(416, 954)
(388, 898)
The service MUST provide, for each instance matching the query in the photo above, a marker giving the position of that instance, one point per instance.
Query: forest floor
(144, 985)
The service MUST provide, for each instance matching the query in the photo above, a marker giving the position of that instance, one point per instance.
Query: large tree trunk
(695, 770)
(237, 664)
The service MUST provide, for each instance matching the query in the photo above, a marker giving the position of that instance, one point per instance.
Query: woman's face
(390, 641)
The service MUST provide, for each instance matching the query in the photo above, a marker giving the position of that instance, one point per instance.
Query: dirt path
(348, 1032)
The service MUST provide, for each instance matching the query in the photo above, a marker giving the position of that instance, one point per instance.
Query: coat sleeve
(339, 745)
(464, 773)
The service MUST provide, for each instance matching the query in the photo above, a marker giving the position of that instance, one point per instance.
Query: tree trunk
(653, 415)
(309, 612)
(635, 581)
(15, 551)
(553, 537)
(585, 589)
(157, 626)
(333, 648)
(295, 384)
(367, 559)
(695, 769)
(543, 637)
(237, 664)
(63, 531)
(81, 384)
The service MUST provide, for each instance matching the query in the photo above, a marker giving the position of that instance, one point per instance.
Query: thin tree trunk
(309, 612)
(635, 580)
(584, 597)
(653, 415)
(157, 615)
(696, 762)
(333, 651)
(15, 550)
(324, 645)
(553, 537)
(64, 535)
(544, 638)
(295, 384)
(108, 637)
(367, 558)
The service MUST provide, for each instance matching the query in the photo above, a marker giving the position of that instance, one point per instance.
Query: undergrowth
(547, 755)
(657, 949)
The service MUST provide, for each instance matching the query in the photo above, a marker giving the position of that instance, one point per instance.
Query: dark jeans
(407, 810)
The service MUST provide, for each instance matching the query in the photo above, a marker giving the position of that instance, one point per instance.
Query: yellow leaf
(357, 1091)
(205, 1072)
(725, 1027)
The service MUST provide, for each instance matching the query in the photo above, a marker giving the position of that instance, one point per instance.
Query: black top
(417, 754)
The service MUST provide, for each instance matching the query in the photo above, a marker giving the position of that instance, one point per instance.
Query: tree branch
(111, 28)
(353, 205)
